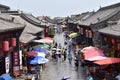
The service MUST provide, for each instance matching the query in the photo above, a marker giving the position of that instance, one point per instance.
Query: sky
(56, 8)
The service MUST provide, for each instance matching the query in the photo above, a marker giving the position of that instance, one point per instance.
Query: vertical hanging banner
(16, 59)
(7, 64)
(16, 63)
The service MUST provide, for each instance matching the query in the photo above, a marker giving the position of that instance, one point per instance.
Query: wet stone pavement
(55, 71)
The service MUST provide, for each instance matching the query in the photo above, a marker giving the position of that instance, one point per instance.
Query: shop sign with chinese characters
(16, 60)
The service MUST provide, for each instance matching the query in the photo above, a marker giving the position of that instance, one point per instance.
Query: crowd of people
(58, 53)
(66, 52)
(70, 53)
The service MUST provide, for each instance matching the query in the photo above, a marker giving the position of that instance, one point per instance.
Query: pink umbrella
(32, 53)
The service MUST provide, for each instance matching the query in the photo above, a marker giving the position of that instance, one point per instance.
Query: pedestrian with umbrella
(37, 61)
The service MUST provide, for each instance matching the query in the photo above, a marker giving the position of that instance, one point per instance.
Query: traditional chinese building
(9, 43)
(84, 32)
(99, 20)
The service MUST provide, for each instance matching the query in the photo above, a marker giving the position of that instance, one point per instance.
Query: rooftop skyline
(56, 8)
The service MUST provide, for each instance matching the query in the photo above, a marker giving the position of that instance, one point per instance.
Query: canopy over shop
(107, 61)
(91, 52)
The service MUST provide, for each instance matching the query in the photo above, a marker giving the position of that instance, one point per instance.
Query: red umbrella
(48, 38)
(107, 61)
(32, 53)
(45, 40)
(90, 52)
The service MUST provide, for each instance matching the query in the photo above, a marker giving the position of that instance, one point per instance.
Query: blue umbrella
(6, 77)
(41, 50)
(1, 78)
(38, 60)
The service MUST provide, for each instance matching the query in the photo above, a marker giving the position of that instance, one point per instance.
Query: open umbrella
(5, 77)
(46, 46)
(56, 49)
(58, 52)
(49, 38)
(41, 54)
(46, 40)
(31, 53)
(72, 35)
(41, 50)
(38, 60)
(66, 77)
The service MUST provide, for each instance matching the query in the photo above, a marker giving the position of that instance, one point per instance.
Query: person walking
(55, 45)
(118, 77)
(89, 77)
(65, 55)
(76, 61)
(62, 54)
(69, 56)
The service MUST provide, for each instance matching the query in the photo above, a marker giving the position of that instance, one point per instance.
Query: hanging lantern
(86, 31)
(81, 31)
(118, 46)
(13, 42)
(105, 39)
(46, 30)
(5, 46)
(113, 41)
(90, 34)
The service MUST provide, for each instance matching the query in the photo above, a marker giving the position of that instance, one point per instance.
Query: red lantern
(13, 42)
(118, 46)
(105, 39)
(90, 34)
(113, 41)
(46, 30)
(81, 31)
(5, 46)
(86, 31)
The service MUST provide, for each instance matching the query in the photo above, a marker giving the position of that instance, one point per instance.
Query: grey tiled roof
(5, 17)
(29, 31)
(6, 24)
(34, 20)
(101, 15)
(30, 16)
(113, 30)
(25, 38)
(1, 5)
(80, 17)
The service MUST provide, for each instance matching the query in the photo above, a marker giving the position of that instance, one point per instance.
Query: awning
(26, 38)
(111, 30)
(107, 61)
(96, 58)
(30, 30)
(91, 52)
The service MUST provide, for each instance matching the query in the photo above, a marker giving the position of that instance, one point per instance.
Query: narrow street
(55, 71)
